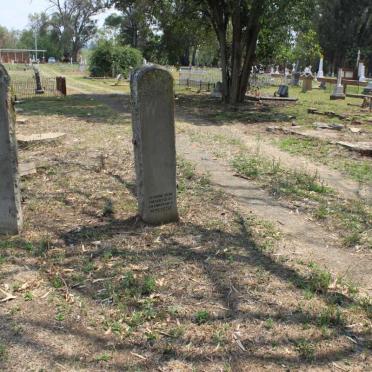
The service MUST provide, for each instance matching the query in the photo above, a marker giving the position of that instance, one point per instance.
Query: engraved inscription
(161, 202)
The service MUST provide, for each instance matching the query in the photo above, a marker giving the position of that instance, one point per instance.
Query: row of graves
(153, 141)
(152, 90)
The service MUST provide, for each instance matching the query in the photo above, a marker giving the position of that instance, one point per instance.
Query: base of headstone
(338, 93)
(368, 89)
(307, 84)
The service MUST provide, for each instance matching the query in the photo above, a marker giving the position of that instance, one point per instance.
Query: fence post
(61, 85)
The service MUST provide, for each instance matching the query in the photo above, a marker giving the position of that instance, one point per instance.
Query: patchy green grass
(3, 353)
(356, 167)
(73, 106)
(352, 218)
(290, 183)
(319, 99)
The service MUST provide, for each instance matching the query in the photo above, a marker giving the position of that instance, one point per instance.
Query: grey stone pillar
(154, 144)
(10, 201)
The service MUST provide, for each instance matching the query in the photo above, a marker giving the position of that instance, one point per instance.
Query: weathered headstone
(10, 200)
(295, 75)
(39, 89)
(154, 144)
(282, 91)
(338, 92)
(307, 80)
(217, 91)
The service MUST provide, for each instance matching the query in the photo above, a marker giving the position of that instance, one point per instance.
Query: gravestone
(217, 91)
(295, 81)
(39, 89)
(362, 73)
(338, 92)
(154, 144)
(282, 91)
(368, 88)
(10, 200)
(307, 82)
(320, 69)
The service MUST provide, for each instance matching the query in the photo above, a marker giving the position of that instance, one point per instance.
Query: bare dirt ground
(245, 281)
(304, 237)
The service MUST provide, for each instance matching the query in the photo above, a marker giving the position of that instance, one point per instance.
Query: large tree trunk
(236, 55)
(236, 70)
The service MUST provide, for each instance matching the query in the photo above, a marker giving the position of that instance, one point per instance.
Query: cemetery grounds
(269, 267)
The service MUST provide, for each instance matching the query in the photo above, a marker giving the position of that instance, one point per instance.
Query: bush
(110, 60)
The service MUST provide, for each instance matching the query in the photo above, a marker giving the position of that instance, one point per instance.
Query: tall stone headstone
(338, 92)
(38, 89)
(320, 69)
(362, 73)
(10, 200)
(154, 144)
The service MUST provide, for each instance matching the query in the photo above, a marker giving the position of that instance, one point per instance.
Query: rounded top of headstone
(150, 80)
(150, 71)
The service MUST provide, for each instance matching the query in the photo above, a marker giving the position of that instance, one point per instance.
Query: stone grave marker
(217, 91)
(38, 89)
(154, 144)
(10, 200)
(338, 92)
(283, 91)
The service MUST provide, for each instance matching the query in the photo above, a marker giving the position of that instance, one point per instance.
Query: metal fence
(206, 81)
(26, 87)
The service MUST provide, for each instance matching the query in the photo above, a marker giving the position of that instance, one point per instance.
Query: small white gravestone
(154, 144)
(10, 199)
(320, 69)
(362, 75)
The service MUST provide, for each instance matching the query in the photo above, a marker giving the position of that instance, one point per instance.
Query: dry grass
(98, 290)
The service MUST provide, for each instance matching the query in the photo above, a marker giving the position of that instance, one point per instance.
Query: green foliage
(109, 60)
(330, 316)
(134, 286)
(306, 350)
(102, 357)
(201, 317)
(319, 280)
(3, 353)
(344, 27)
(307, 50)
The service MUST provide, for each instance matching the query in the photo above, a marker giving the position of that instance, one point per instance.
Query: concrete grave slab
(42, 138)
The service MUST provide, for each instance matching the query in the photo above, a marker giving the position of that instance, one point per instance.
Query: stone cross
(10, 200)
(154, 144)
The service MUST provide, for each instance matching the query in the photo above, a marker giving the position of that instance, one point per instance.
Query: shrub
(109, 60)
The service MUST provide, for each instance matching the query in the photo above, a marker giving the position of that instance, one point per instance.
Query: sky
(14, 13)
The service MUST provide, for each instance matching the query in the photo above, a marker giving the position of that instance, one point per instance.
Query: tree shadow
(227, 290)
